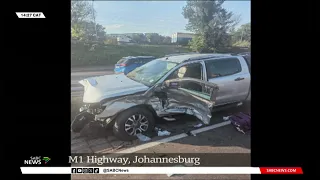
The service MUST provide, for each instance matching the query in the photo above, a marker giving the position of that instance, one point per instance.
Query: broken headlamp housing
(83, 108)
(92, 109)
(99, 110)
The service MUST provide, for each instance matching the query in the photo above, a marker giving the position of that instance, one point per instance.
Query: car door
(231, 78)
(180, 99)
(135, 63)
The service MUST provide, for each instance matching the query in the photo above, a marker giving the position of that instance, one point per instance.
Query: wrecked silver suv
(163, 88)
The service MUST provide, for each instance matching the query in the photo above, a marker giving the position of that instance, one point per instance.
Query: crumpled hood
(108, 86)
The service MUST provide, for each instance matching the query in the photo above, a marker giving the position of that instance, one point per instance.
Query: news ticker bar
(162, 170)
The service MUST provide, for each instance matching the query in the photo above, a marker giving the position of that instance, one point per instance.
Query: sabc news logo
(37, 160)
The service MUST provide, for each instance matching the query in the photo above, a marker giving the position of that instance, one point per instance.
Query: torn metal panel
(181, 102)
(113, 107)
(168, 99)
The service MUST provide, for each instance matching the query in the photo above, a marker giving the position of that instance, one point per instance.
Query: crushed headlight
(91, 110)
(98, 110)
(83, 108)
(106, 120)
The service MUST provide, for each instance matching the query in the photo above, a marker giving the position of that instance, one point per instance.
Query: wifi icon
(46, 159)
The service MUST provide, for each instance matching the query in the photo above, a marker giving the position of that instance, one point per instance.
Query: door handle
(239, 79)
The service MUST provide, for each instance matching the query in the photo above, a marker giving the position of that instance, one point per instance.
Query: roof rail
(178, 54)
(209, 56)
(144, 56)
(128, 57)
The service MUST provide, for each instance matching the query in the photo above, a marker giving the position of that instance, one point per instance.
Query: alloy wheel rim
(136, 124)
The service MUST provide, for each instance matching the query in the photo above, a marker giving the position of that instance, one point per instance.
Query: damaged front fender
(169, 98)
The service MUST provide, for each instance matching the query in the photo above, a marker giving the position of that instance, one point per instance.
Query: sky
(163, 17)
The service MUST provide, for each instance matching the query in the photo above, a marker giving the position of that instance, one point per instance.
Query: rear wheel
(132, 122)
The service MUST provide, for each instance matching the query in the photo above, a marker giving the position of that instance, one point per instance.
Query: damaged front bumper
(88, 109)
(166, 101)
(96, 111)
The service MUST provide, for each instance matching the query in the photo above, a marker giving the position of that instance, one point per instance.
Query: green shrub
(86, 54)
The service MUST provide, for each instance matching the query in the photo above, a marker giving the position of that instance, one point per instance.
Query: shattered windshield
(151, 72)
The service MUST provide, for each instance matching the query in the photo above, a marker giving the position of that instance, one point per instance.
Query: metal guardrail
(77, 89)
(76, 95)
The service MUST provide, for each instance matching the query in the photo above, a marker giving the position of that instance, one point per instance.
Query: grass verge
(84, 55)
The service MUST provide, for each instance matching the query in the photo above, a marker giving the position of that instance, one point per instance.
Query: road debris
(198, 125)
(226, 118)
(169, 118)
(143, 138)
(242, 122)
(164, 133)
(239, 104)
(161, 132)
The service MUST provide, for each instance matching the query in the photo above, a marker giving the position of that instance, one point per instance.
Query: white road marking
(169, 139)
(152, 144)
(197, 131)
(161, 141)
(76, 95)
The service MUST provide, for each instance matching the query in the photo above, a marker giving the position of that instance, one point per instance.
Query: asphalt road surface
(221, 140)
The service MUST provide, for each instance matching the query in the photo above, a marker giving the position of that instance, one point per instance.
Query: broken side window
(193, 70)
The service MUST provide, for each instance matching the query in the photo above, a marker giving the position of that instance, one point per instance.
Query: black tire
(80, 121)
(118, 128)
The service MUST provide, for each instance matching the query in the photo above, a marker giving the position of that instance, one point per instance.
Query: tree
(211, 22)
(197, 43)
(83, 26)
(80, 11)
(242, 36)
(139, 38)
(153, 38)
(91, 30)
(166, 40)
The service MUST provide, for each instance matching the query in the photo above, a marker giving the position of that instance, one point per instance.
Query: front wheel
(133, 121)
